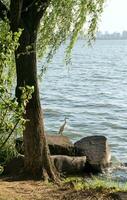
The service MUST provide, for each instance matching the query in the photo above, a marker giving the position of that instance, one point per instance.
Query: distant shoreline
(105, 39)
(110, 39)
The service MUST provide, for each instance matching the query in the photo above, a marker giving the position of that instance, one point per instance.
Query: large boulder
(69, 164)
(58, 145)
(97, 151)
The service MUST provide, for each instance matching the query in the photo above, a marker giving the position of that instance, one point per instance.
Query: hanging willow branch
(61, 20)
(66, 19)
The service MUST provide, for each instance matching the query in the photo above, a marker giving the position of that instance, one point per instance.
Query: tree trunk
(37, 160)
(26, 15)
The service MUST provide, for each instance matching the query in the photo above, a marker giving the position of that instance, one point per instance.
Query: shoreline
(38, 190)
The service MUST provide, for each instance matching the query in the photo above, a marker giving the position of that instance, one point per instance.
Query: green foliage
(66, 19)
(11, 120)
(8, 44)
(11, 114)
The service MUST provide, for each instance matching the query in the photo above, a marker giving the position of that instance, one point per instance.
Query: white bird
(62, 127)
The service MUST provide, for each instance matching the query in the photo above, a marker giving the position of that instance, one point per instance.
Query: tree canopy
(63, 20)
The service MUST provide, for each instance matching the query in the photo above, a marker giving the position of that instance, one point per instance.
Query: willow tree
(45, 25)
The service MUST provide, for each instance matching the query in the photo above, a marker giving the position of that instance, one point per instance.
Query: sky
(114, 17)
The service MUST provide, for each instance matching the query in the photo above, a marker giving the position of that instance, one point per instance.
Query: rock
(15, 166)
(64, 164)
(69, 164)
(58, 145)
(97, 151)
(119, 196)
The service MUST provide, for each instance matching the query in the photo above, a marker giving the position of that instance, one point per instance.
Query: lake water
(91, 93)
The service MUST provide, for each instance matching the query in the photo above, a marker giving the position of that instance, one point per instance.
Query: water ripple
(92, 93)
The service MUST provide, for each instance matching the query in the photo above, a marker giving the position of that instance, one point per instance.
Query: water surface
(91, 93)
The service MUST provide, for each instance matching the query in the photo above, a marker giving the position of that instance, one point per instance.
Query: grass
(96, 183)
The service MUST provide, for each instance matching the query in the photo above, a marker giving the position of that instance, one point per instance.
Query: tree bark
(37, 158)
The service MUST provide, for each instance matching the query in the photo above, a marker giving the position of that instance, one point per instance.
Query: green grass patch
(96, 183)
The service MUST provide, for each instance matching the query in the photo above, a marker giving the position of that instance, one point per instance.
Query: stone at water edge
(69, 164)
(97, 151)
(58, 145)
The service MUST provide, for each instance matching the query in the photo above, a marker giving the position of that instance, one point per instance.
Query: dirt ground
(38, 190)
